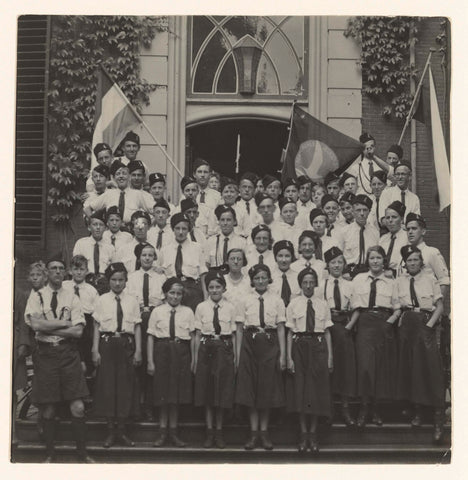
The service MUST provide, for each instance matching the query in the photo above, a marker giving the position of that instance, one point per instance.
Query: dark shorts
(58, 375)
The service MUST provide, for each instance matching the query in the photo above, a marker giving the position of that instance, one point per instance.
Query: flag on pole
(315, 149)
(427, 112)
(114, 116)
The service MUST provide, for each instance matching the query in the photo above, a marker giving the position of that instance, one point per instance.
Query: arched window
(248, 55)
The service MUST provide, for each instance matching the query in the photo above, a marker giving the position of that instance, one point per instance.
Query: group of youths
(252, 292)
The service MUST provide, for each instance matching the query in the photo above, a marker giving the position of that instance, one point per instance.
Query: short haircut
(38, 265)
(79, 261)
(378, 249)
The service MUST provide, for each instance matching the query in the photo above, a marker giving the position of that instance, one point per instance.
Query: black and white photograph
(232, 239)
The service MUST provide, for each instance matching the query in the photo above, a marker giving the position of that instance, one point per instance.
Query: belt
(308, 334)
(171, 340)
(55, 343)
(106, 335)
(216, 337)
(377, 310)
(416, 309)
(260, 330)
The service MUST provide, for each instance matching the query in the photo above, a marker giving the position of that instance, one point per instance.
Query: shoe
(209, 441)
(176, 441)
(265, 441)
(110, 439)
(416, 421)
(124, 440)
(219, 440)
(161, 439)
(86, 459)
(252, 441)
(377, 419)
(361, 419)
(313, 445)
(302, 445)
(349, 422)
(49, 459)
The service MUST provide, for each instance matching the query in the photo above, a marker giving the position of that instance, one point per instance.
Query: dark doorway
(261, 145)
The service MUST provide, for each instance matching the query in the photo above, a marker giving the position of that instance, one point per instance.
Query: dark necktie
(159, 241)
(318, 250)
(362, 248)
(54, 303)
(285, 290)
(373, 292)
(414, 298)
(146, 289)
(377, 210)
(371, 169)
(225, 249)
(119, 314)
(178, 262)
(247, 206)
(261, 312)
(122, 203)
(96, 257)
(337, 295)
(260, 259)
(390, 248)
(192, 236)
(202, 197)
(403, 194)
(216, 325)
(310, 318)
(329, 230)
(77, 291)
(113, 239)
(172, 324)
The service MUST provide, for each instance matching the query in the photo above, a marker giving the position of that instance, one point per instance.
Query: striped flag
(114, 116)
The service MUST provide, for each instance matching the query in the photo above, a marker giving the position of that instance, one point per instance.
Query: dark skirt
(420, 371)
(344, 357)
(193, 293)
(58, 375)
(308, 388)
(172, 379)
(116, 392)
(259, 379)
(214, 378)
(144, 380)
(85, 344)
(376, 354)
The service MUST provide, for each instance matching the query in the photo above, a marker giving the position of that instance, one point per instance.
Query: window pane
(257, 27)
(294, 30)
(201, 27)
(209, 62)
(227, 79)
(266, 78)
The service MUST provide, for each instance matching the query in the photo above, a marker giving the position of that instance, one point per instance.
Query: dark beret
(177, 218)
(260, 228)
(114, 210)
(131, 137)
(225, 181)
(381, 175)
(303, 180)
(259, 267)
(187, 204)
(186, 181)
(307, 271)
(267, 179)
(199, 162)
(331, 177)
(55, 257)
(347, 197)
(156, 177)
(366, 137)
(398, 207)
(100, 215)
(363, 200)
(161, 203)
(328, 198)
(332, 253)
(283, 245)
(220, 209)
(167, 285)
(316, 212)
(414, 217)
(214, 274)
(403, 163)
(102, 169)
(136, 165)
(251, 177)
(309, 234)
(117, 165)
(260, 196)
(284, 201)
(407, 250)
(345, 177)
(289, 182)
(140, 214)
(139, 248)
(397, 150)
(100, 147)
(114, 268)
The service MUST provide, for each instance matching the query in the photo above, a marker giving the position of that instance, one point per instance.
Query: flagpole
(290, 127)
(142, 122)
(418, 89)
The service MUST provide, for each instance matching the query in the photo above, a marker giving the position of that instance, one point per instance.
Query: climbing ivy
(79, 44)
(386, 69)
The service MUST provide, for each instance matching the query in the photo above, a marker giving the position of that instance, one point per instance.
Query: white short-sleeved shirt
(105, 312)
(67, 303)
(350, 236)
(236, 289)
(281, 230)
(158, 323)
(253, 257)
(274, 309)
(215, 247)
(204, 317)
(401, 239)
(426, 287)
(167, 236)
(212, 197)
(291, 277)
(246, 220)
(120, 238)
(87, 293)
(193, 260)
(296, 314)
(390, 194)
(345, 287)
(85, 246)
(155, 283)
(386, 296)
